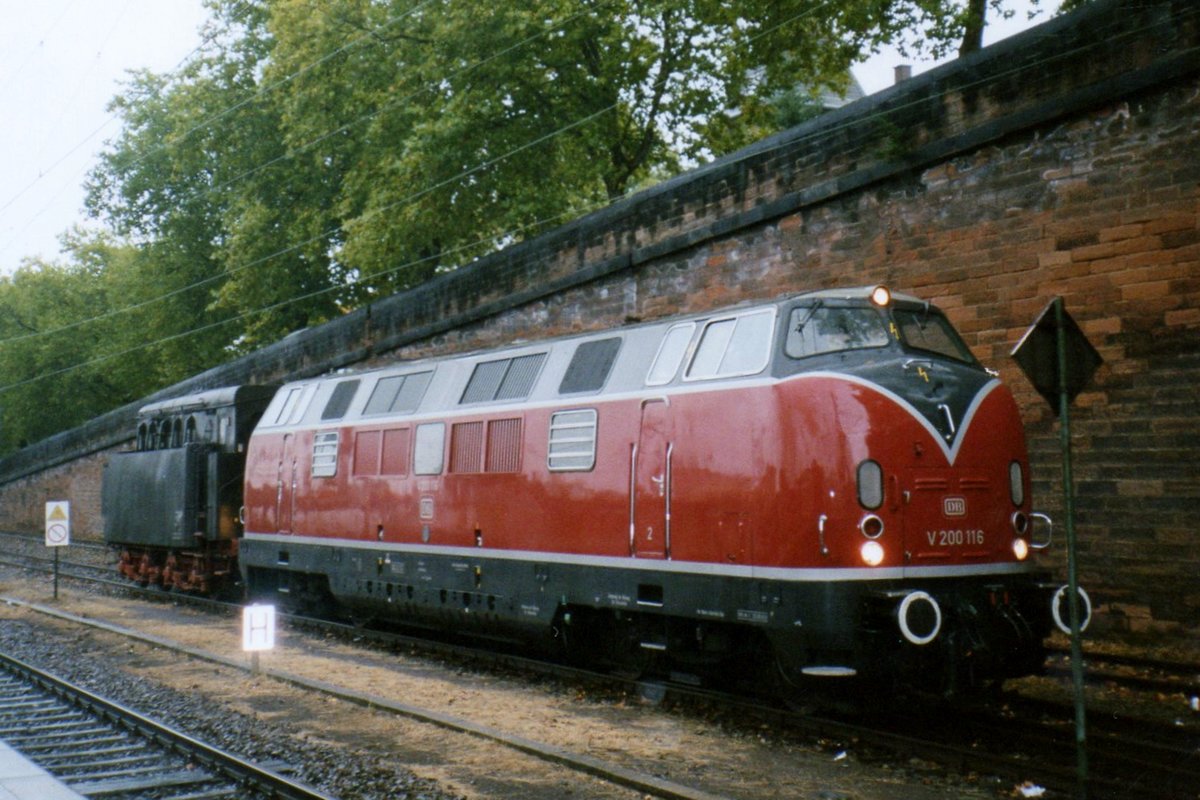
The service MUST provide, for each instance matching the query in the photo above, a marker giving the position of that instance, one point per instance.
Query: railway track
(609, 771)
(1127, 758)
(1029, 741)
(1130, 672)
(101, 749)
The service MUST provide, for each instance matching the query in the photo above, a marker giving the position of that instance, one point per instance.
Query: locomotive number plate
(957, 537)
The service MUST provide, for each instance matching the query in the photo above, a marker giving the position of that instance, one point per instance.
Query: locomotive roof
(851, 293)
(213, 398)
(538, 371)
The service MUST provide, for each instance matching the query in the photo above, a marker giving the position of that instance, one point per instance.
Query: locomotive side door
(286, 484)
(650, 504)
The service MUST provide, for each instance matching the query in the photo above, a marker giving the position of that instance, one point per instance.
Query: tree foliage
(59, 372)
(318, 153)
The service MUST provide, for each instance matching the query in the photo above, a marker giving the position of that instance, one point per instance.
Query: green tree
(461, 128)
(199, 181)
(318, 154)
(56, 373)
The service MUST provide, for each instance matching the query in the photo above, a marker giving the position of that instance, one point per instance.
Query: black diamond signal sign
(1037, 355)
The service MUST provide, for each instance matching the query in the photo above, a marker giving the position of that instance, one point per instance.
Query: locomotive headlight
(872, 553)
(881, 296)
(1020, 549)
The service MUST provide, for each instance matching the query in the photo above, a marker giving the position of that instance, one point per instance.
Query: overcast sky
(61, 61)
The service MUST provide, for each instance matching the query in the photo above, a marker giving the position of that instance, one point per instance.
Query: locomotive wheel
(833, 691)
(796, 695)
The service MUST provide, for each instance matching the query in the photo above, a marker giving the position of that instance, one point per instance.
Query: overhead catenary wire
(466, 173)
(323, 234)
(208, 39)
(1069, 54)
(249, 314)
(448, 181)
(47, 171)
(67, 103)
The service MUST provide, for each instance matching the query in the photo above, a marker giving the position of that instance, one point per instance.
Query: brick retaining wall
(1065, 161)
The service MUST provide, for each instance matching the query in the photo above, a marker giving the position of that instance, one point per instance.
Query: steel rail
(246, 779)
(1127, 760)
(599, 768)
(1178, 676)
(1038, 759)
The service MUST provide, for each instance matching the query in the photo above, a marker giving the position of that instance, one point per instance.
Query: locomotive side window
(339, 401)
(734, 346)
(503, 379)
(429, 449)
(930, 331)
(384, 394)
(411, 393)
(284, 409)
(590, 366)
(711, 349)
(572, 441)
(670, 354)
(293, 406)
(813, 330)
(398, 394)
(324, 457)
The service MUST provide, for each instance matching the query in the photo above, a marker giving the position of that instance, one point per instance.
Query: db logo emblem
(954, 506)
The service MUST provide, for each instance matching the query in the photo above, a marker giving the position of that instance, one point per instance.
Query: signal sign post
(258, 631)
(58, 531)
(1059, 361)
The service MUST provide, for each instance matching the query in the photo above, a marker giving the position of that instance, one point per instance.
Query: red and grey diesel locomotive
(829, 484)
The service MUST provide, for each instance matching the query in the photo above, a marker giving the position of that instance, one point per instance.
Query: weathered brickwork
(1064, 162)
(77, 481)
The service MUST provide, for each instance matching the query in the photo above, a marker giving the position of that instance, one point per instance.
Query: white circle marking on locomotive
(902, 613)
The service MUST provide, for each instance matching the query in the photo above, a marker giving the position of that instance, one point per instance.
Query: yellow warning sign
(58, 523)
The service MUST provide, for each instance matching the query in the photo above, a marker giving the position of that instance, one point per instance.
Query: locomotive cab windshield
(930, 331)
(827, 325)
